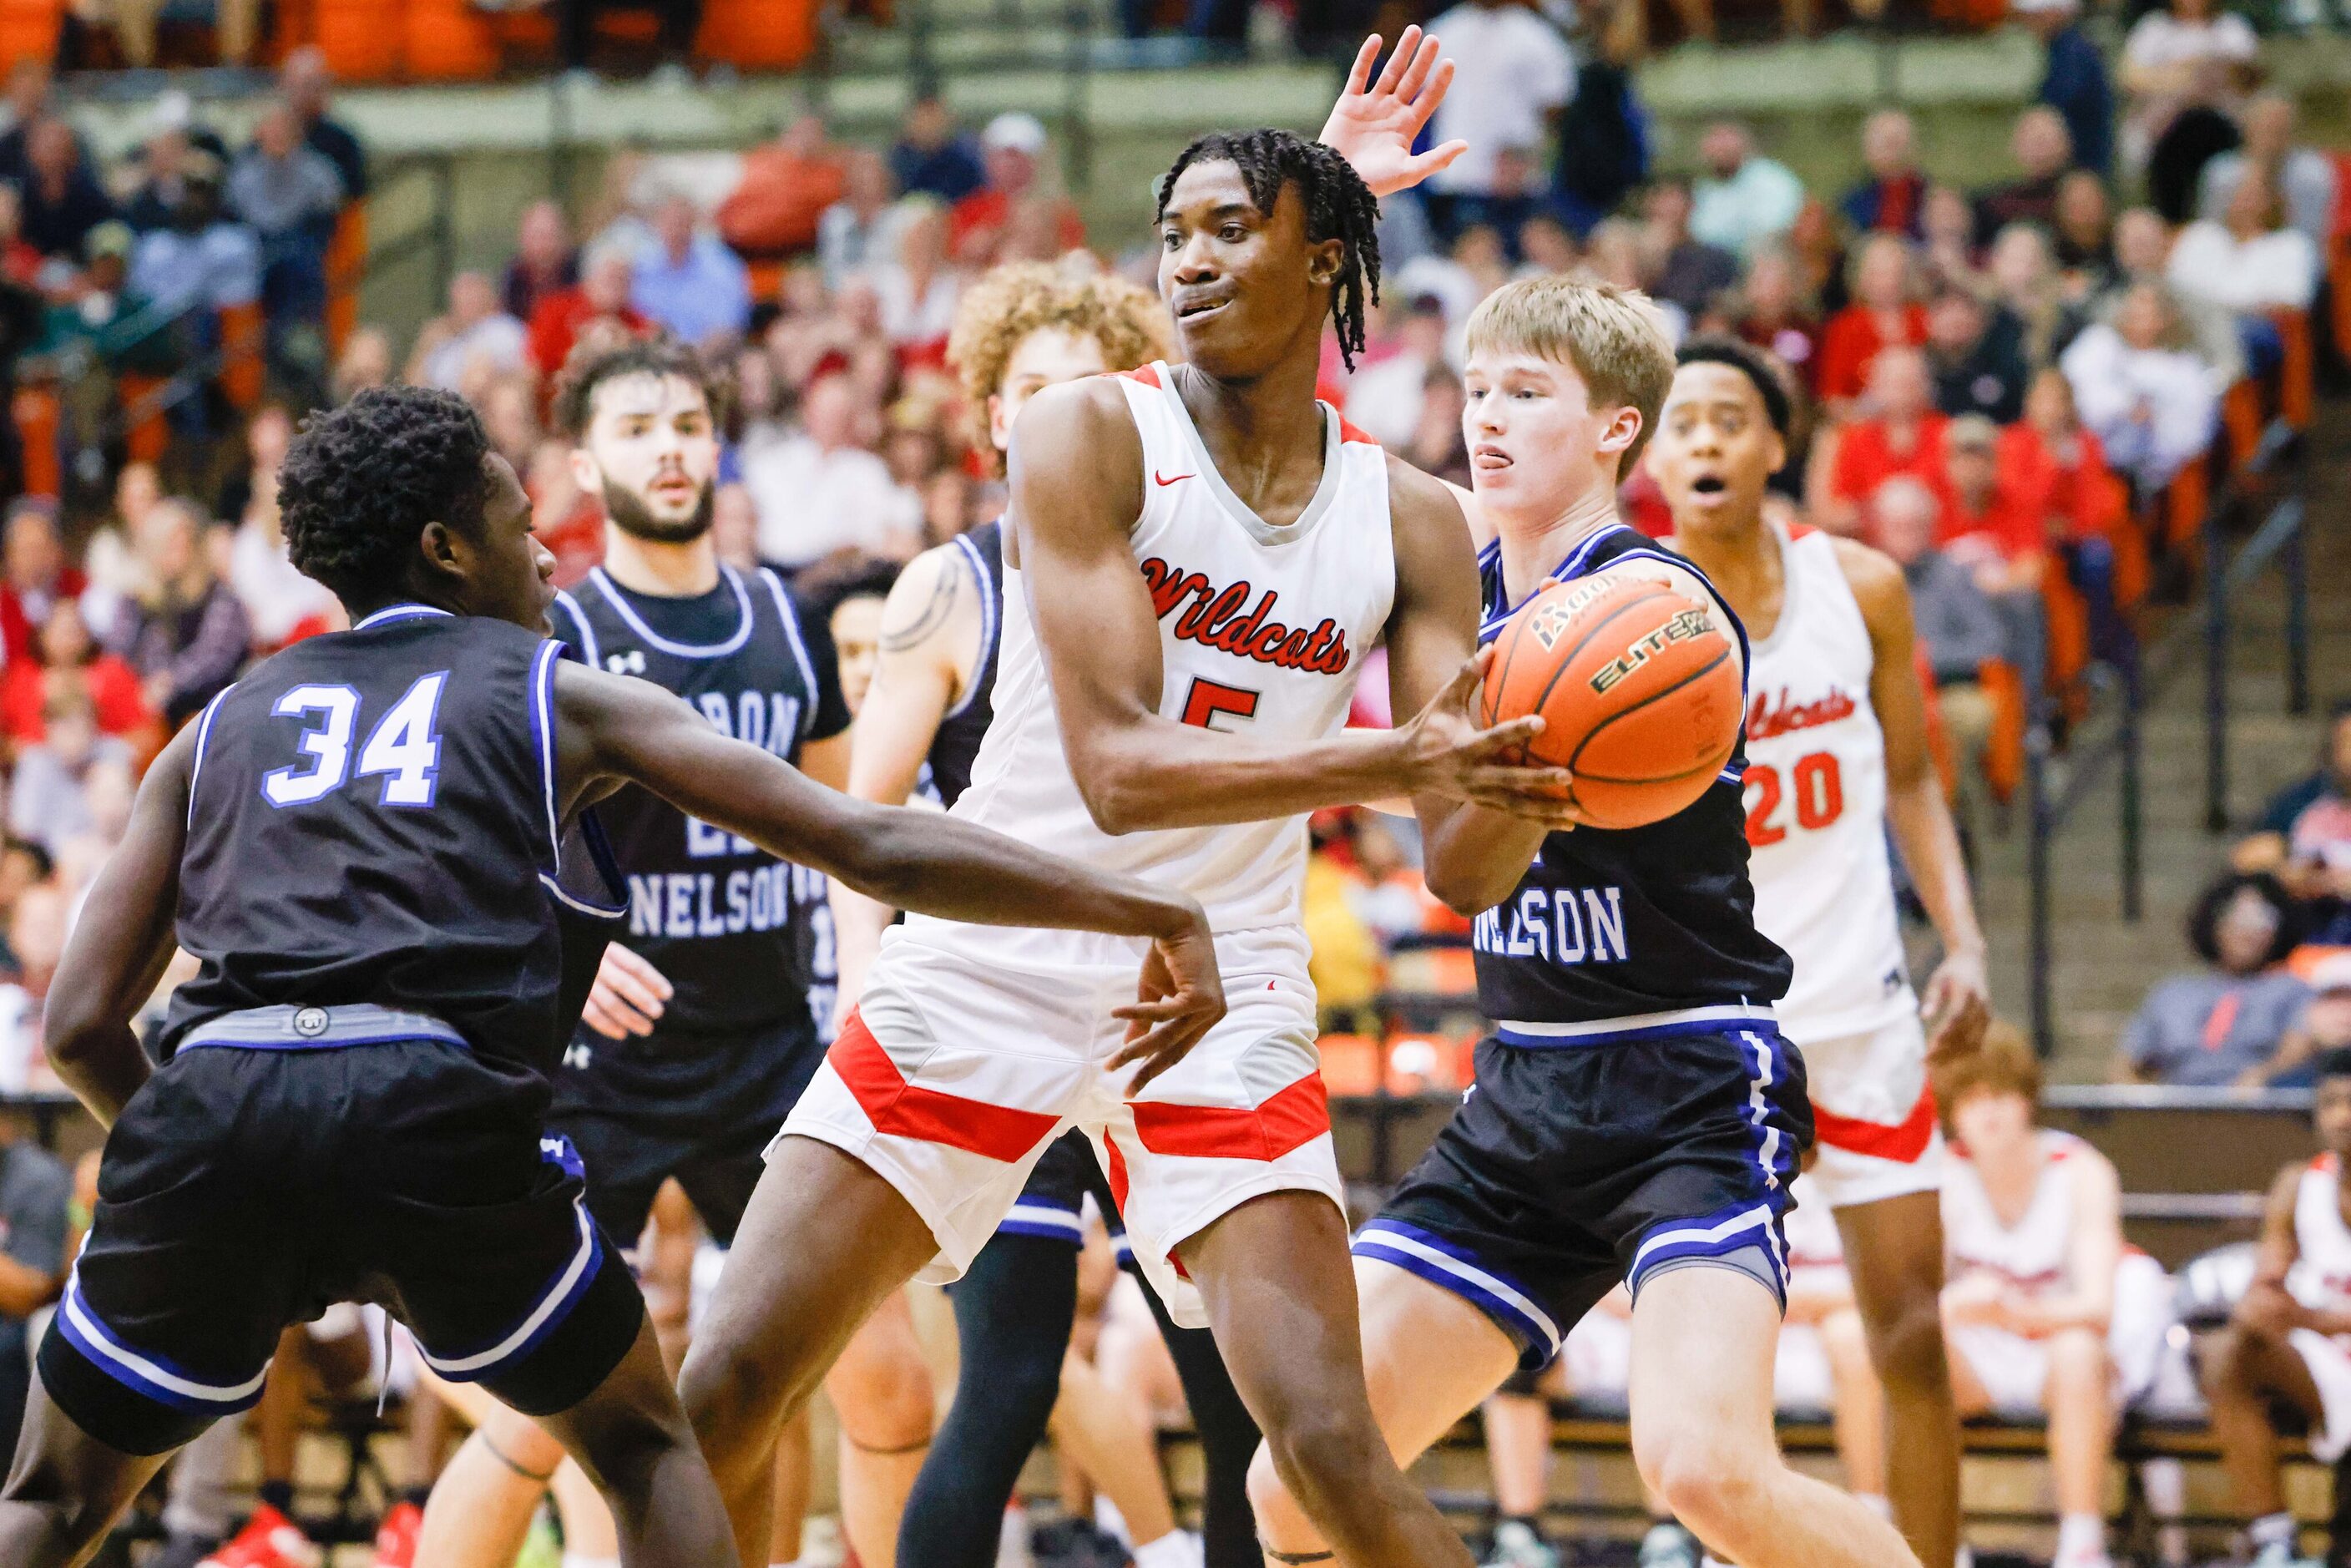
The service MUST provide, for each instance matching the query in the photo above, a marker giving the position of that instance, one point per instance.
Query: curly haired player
(365, 843)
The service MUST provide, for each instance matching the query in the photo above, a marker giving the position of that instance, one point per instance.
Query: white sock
(2081, 1535)
(1176, 1549)
(1877, 1504)
(1109, 1521)
(2270, 1530)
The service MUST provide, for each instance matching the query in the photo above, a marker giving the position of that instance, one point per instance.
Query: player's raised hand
(1373, 123)
(1957, 1006)
(1179, 998)
(629, 995)
(1448, 754)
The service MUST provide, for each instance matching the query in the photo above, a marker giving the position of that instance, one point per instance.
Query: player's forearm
(102, 1064)
(1930, 851)
(1473, 857)
(1160, 774)
(933, 864)
(858, 922)
(2055, 1314)
(24, 1290)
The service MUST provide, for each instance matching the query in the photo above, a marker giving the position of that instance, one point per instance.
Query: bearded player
(1837, 755)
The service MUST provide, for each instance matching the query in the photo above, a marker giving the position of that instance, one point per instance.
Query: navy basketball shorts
(247, 1188)
(698, 1105)
(1569, 1168)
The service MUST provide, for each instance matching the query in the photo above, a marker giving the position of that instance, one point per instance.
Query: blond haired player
(1837, 755)
(1636, 1117)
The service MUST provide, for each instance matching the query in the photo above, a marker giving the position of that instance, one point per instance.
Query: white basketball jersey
(1815, 787)
(2321, 1276)
(1262, 630)
(2032, 1255)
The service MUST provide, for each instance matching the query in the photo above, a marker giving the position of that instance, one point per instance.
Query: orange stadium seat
(2004, 755)
(1350, 1064)
(36, 413)
(2241, 420)
(2297, 378)
(242, 337)
(758, 35)
(29, 29)
(2065, 616)
(347, 258)
(448, 40)
(361, 38)
(150, 434)
(2184, 503)
(1938, 739)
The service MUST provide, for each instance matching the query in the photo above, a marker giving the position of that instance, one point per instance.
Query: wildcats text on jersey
(1560, 925)
(1214, 620)
(1769, 717)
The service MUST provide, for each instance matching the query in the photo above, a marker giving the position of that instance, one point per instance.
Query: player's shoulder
(927, 595)
(1089, 407)
(1877, 582)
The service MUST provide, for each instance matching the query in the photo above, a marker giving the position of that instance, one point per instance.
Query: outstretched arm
(1375, 123)
(1958, 999)
(120, 945)
(1077, 489)
(613, 729)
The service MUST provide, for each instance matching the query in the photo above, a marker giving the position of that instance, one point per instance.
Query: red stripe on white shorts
(1902, 1143)
(908, 1111)
(1294, 1117)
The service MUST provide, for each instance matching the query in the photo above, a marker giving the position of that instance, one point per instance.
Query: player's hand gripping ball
(1638, 690)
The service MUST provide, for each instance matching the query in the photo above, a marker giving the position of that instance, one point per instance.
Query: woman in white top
(2250, 261)
(2160, 58)
(919, 291)
(2150, 401)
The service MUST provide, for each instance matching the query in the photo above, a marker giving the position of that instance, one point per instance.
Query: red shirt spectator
(67, 656)
(2048, 455)
(1012, 146)
(785, 188)
(1774, 317)
(37, 576)
(1885, 312)
(1907, 437)
(602, 294)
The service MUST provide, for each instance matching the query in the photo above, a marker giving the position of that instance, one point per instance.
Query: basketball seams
(1662, 693)
(1566, 662)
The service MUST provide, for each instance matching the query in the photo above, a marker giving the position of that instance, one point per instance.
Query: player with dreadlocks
(1197, 561)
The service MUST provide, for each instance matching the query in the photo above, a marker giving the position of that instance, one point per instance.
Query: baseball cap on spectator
(1015, 132)
(172, 110)
(1974, 431)
(113, 238)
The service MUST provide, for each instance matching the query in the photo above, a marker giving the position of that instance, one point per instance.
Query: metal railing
(2112, 738)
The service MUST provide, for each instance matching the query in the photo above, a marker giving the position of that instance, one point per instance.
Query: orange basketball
(1638, 692)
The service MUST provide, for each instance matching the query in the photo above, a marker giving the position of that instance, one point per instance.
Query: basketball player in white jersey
(2032, 1223)
(1197, 561)
(2290, 1341)
(1837, 755)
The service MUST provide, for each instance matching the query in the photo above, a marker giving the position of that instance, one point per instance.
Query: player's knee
(1908, 1346)
(2078, 1361)
(885, 1402)
(1318, 1453)
(2226, 1359)
(1707, 1477)
(726, 1390)
(521, 1440)
(1267, 1497)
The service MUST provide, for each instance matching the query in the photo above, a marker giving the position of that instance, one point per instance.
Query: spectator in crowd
(35, 1190)
(2304, 833)
(688, 283)
(35, 574)
(1603, 139)
(307, 84)
(2215, 1025)
(1948, 253)
(509, 405)
(60, 200)
(602, 295)
(2027, 1311)
(1437, 447)
(185, 633)
(48, 790)
(2324, 1026)
(2280, 1364)
(2052, 457)
(1513, 76)
(2304, 176)
(2160, 57)
(919, 287)
(1959, 628)
(545, 260)
(1901, 433)
(1744, 199)
(820, 491)
(1885, 313)
(933, 156)
(19, 262)
(1894, 197)
(289, 195)
(2201, 128)
(1387, 398)
(2043, 150)
(68, 662)
(2141, 390)
(2074, 81)
(473, 337)
(1976, 354)
(162, 180)
(203, 260)
(1770, 310)
(859, 232)
(2023, 269)
(786, 186)
(1014, 148)
(31, 84)
(2082, 234)
(281, 603)
(1689, 272)
(365, 362)
(855, 621)
(1992, 522)
(2142, 252)
(2249, 262)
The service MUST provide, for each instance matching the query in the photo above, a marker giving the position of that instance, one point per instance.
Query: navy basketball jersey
(372, 819)
(966, 724)
(713, 913)
(1611, 927)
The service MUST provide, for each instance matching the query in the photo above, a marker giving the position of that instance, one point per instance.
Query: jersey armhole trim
(587, 642)
(204, 733)
(985, 585)
(790, 618)
(542, 715)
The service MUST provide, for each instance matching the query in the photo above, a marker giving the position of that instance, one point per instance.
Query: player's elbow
(1468, 890)
(1121, 795)
(74, 1029)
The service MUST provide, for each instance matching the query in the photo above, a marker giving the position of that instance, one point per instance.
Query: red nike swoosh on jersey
(1162, 479)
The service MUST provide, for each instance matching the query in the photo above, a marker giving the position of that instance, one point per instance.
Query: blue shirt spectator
(2074, 81)
(1894, 197)
(933, 158)
(690, 283)
(304, 81)
(62, 199)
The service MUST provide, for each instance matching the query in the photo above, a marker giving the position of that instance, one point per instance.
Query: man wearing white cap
(1013, 149)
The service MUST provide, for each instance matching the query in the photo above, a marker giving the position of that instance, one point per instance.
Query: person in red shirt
(1903, 434)
(600, 295)
(1884, 311)
(1993, 521)
(1013, 149)
(34, 574)
(67, 658)
(2048, 454)
(1772, 313)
